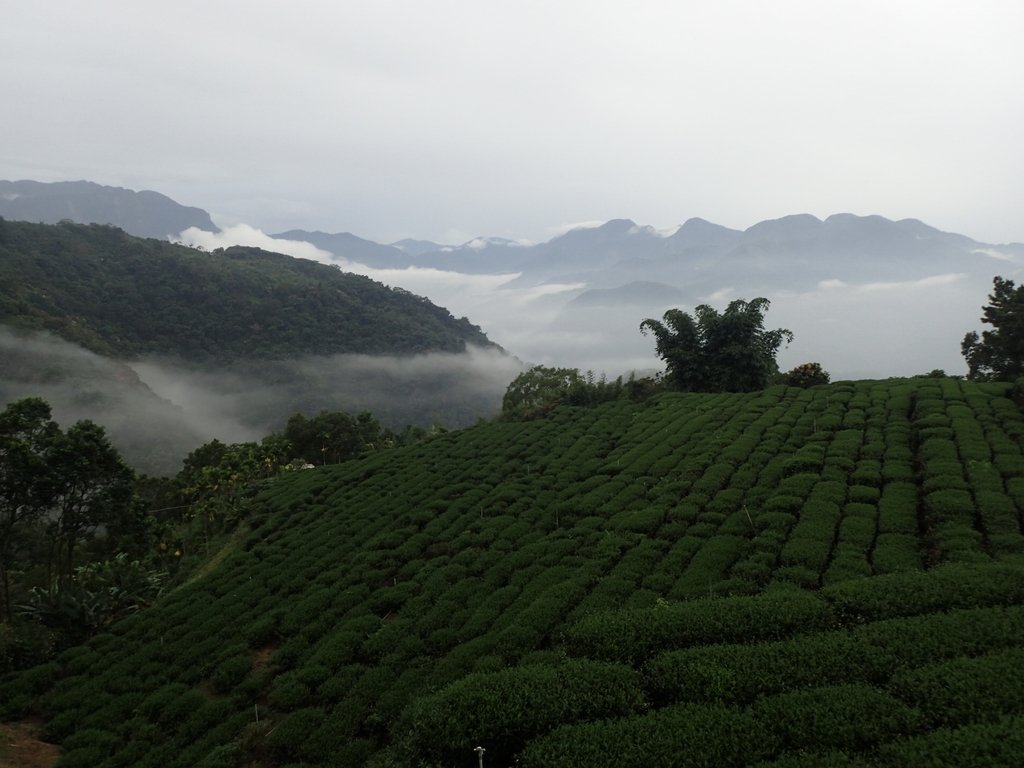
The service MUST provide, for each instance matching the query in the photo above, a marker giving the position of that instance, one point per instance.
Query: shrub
(832, 759)
(636, 634)
(502, 710)
(806, 375)
(697, 736)
(964, 690)
(847, 717)
(917, 592)
(289, 737)
(992, 744)
(896, 552)
(920, 640)
(289, 692)
(739, 674)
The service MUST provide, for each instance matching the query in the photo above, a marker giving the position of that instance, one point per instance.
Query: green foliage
(520, 577)
(122, 296)
(847, 717)
(718, 352)
(807, 375)
(502, 710)
(998, 355)
(639, 633)
(27, 485)
(965, 690)
(332, 437)
(60, 487)
(95, 596)
(982, 745)
(686, 735)
(918, 592)
(741, 673)
(539, 387)
(536, 391)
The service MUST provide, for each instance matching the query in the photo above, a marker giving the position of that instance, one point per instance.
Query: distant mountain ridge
(168, 346)
(783, 252)
(143, 214)
(572, 299)
(792, 251)
(124, 296)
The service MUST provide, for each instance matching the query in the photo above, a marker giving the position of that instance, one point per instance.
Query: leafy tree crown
(714, 351)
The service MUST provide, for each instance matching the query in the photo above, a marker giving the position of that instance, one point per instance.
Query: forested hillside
(796, 577)
(126, 297)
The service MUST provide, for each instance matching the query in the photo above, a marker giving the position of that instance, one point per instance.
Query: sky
(449, 119)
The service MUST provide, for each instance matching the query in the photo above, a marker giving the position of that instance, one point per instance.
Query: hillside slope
(125, 297)
(795, 578)
(143, 214)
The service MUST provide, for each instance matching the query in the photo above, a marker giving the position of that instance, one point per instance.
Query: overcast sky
(445, 119)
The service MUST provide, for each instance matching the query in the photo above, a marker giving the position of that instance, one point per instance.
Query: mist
(151, 433)
(875, 325)
(856, 330)
(251, 398)
(156, 411)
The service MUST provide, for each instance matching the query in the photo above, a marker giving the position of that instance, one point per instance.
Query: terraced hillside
(824, 577)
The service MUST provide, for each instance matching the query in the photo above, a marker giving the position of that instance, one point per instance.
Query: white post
(480, 755)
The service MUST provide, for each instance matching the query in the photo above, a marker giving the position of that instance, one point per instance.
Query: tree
(218, 479)
(93, 488)
(718, 352)
(539, 387)
(998, 354)
(807, 375)
(331, 437)
(27, 484)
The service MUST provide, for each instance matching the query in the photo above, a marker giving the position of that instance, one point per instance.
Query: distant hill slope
(814, 577)
(347, 246)
(150, 432)
(144, 214)
(792, 252)
(122, 296)
(640, 293)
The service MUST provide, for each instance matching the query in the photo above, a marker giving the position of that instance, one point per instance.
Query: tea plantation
(821, 577)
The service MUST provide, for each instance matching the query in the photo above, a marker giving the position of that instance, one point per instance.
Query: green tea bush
(710, 564)
(84, 757)
(231, 672)
(917, 641)
(863, 494)
(830, 759)
(918, 592)
(847, 717)
(502, 710)
(965, 690)
(637, 634)
(997, 511)
(799, 575)
(290, 738)
(896, 552)
(848, 562)
(739, 674)
(289, 692)
(806, 550)
(783, 503)
(687, 736)
(996, 744)
(897, 509)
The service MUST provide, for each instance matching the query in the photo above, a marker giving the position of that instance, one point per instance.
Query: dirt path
(20, 747)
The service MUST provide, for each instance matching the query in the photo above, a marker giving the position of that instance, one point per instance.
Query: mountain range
(791, 252)
(168, 346)
(143, 214)
(865, 295)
